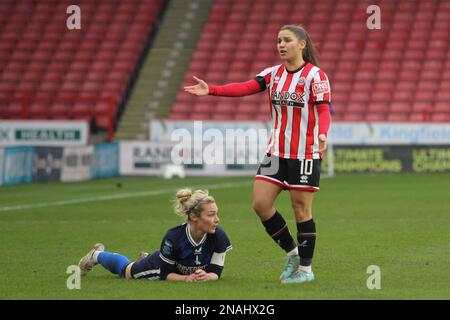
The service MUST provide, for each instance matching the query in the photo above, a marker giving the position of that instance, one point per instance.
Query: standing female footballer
(192, 252)
(299, 93)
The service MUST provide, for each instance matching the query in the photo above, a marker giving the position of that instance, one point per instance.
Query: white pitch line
(116, 196)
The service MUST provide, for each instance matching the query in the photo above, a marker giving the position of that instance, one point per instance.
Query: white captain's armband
(218, 258)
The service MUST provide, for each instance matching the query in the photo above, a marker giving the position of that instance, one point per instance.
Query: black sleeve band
(214, 268)
(262, 82)
(322, 102)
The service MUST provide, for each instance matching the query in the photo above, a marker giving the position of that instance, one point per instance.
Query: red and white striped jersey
(293, 96)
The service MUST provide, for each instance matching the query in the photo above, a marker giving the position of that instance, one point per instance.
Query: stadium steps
(164, 67)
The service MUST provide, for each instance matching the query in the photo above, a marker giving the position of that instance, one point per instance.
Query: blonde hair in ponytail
(188, 201)
(310, 53)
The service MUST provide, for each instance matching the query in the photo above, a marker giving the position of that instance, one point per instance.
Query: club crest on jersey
(301, 81)
(320, 87)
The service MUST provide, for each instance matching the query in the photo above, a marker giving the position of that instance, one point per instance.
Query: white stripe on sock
(95, 255)
(305, 268)
(293, 252)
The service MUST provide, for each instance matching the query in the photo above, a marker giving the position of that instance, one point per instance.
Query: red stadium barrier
(99, 111)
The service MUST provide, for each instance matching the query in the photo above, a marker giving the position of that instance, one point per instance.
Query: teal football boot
(292, 264)
(299, 276)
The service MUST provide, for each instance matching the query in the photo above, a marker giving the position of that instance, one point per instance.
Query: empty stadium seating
(50, 72)
(398, 73)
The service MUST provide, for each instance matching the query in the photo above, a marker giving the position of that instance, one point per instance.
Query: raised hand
(200, 89)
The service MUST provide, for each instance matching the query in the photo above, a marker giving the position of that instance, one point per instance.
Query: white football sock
(293, 252)
(305, 268)
(95, 255)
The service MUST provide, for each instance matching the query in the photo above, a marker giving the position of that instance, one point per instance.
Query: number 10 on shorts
(306, 167)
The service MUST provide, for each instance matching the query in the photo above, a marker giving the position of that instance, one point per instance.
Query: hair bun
(184, 195)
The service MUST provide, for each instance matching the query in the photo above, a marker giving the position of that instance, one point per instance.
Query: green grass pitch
(397, 222)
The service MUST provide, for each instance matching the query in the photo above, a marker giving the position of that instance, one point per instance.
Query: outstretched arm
(238, 89)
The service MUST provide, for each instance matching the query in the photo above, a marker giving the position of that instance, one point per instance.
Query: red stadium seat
(39, 108)
(247, 108)
(13, 108)
(420, 106)
(95, 76)
(201, 107)
(75, 76)
(378, 107)
(83, 108)
(446, 75)
(406, 85)
(356, 107)
(354, 117)
(442, 106)
(443, 96)
(343, 76)
(403, 95)
(244, 117)
(387, 75)
(424, 96)
(70, 86)
(222, 116)
(359, 96)
(237, 76)
(182, 107)
(417, 117)
(440, 117)
(225, 107)
(102, 121)
(400, 107)
(103, 107)
(397, 117)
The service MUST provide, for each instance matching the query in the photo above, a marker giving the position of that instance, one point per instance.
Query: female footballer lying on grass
(194, 251)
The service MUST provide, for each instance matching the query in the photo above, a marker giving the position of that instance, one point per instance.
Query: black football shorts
(290, 173)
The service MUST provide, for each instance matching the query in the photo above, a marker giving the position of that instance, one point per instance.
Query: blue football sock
(114, 262)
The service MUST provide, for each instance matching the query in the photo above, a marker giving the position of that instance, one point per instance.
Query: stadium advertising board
(43, 133)
(347, 133)
(341, 133)
(17, 165)
(358, 147)
(220, 146)
(148, 158)
(389, 159)
(144, 158)
(76, 163)
(105, 160)
(47, 163)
